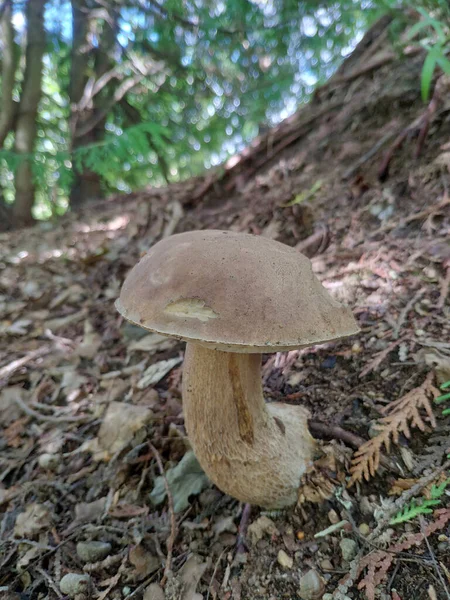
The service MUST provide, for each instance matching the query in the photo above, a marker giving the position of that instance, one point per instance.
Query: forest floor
(82, 392)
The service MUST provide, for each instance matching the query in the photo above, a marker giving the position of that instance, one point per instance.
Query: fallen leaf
(29, 523)
(143, 561)
(13, 433)
(87, 512)
(120, 423)
(19, 327)
(9, 411)
(152, 343)
(126, 511)
(157, 371)
(185, 479)
(190, 575)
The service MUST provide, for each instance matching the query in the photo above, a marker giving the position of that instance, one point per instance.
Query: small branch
(47, 418)
(405, 311)
(15, 365)
(433, 557)
(367, 156)
(173, 523)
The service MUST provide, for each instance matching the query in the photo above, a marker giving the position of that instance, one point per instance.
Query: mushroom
(232, 297)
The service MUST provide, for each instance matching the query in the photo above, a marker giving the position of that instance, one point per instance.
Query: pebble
(93, 551)
(285, 560)
(49, 461)
(326, 565)
(364, 529)
(153, 592)
(312, 586)
(74, 583)
(349, 549)
(333, 517)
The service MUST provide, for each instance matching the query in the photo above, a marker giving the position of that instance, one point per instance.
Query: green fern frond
(414, 509)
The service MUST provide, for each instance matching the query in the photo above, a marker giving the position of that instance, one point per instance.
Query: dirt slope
(379, 240)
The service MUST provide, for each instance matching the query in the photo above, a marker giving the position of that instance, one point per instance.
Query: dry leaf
(153, 342)
(126, 511)
(143, 561)
(157, 372)
(29, 523)
(120, 423)
(190, 575)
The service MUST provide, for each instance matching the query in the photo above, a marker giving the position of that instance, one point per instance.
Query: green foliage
(423, 507)
(444, 398)
(218, 72)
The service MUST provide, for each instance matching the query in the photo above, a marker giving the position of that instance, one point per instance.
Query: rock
(364, 529)
(312, 586)
(262, 526)
(285, 560)
(153, 592)
(326, 565)
(74, 583)
(93, 551)
(349, 548)
(333, 517)
(49, 461)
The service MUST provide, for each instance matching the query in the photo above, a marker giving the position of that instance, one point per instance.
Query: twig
(47, 418)
(243, 525)
(367, 156)
(445, 285)
(12, 367)
(433, 557)
(173, 523)
(50, 582)
(405, 311)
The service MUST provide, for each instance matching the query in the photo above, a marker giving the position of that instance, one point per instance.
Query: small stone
(349, 549)
(262, 526)
(326, 565)
(153, 592)
(74, 583)
(333, 517)
(285, 560)
(364, 529)
(312, 586)
(327, 596)
(93, 551)
(49, 461)
(442, 546)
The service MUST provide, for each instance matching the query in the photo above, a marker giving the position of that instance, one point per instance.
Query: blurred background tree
(113, 95)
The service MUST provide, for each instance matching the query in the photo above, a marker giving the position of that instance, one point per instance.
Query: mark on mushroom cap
(190, 308)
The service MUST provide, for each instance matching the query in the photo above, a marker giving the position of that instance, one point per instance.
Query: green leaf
(305, 195)
(185, 479)
(427, 74)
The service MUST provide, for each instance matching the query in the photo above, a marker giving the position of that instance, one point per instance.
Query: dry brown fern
(379, 562)
(400, 416)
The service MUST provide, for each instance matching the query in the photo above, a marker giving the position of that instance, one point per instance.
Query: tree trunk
(9, 66)
(87, 184)
(25, 134)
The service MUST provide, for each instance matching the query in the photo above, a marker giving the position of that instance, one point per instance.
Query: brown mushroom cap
(232, 291)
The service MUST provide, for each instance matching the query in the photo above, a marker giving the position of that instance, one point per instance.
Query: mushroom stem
(254, 451)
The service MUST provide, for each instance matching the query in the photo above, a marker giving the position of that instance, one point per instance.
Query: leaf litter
(82, 393)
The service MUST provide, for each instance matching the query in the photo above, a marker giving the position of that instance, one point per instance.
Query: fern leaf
(400, 415)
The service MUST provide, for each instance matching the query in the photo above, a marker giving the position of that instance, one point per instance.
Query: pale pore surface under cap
(232, 291)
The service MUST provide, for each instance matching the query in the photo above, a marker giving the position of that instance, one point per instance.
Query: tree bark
(9, 67)
(87, 184)
(26, 128)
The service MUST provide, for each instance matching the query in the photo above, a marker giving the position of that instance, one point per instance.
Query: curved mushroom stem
(254, 451)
